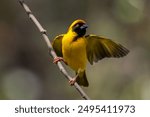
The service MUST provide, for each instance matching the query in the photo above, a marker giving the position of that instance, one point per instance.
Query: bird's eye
(77, 25)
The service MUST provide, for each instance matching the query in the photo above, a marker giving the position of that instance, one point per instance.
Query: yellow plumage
(74, 53)
(75, 49)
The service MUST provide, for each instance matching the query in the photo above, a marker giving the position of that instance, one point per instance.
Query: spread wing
(99, 48)
(57, 45)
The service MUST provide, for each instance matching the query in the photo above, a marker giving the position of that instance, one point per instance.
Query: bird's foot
(73, 80)
(57, 59)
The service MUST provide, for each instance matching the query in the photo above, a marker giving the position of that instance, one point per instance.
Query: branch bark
(50, 48)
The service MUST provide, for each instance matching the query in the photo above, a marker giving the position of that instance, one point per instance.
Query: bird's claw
(72, 81)
(57, 59)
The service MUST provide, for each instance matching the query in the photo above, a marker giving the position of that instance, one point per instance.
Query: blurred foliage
(27, 71)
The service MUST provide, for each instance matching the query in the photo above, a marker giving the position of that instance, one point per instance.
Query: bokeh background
(27, 71)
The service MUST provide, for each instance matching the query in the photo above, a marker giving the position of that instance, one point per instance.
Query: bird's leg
(73, 80)
(57, 59)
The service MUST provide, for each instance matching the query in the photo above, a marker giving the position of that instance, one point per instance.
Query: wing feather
(57, 45)
(98, 48)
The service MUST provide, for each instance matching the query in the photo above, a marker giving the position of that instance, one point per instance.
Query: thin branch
(50, 48)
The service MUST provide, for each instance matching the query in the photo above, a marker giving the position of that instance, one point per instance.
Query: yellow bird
(75, 49)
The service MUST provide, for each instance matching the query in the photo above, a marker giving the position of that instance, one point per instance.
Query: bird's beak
(84, 26)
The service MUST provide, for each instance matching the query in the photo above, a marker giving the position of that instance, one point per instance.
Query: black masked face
(80, 29)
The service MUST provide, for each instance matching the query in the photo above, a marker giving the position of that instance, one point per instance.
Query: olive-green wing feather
(57, 45)
(99, 48)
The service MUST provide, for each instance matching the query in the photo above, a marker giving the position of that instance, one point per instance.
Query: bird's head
(79, 27)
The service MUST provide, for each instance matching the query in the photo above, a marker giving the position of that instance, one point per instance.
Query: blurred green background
(27, 71)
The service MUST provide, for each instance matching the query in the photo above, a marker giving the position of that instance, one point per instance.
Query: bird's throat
(75, 38)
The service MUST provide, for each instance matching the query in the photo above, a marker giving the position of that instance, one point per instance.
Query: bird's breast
(74, 53)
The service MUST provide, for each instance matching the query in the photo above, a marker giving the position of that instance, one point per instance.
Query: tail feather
(82, 79)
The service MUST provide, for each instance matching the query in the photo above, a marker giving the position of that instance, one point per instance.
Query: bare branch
(50, 48)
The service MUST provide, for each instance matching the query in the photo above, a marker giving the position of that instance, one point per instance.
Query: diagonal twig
(50, 48)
